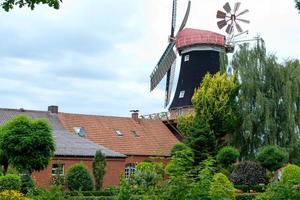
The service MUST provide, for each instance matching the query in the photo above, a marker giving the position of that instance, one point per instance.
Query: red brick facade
(114, 168)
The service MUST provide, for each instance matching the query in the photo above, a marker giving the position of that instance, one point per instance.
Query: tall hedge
(78, 178)
(10, 182)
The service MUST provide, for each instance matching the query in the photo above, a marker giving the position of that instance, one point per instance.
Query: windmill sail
(186, 16)
(163, 65)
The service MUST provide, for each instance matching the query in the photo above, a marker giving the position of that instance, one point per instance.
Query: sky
(96, 56)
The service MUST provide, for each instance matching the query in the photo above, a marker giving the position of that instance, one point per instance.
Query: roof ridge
(94, 115)
(23, 109)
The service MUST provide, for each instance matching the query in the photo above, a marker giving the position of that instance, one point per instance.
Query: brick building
(125, 141)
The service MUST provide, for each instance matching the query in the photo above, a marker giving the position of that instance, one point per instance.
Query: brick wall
(114, 167)
(185, 111)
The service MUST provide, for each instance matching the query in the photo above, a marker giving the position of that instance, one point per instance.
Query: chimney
(135, 115)
(53, 109)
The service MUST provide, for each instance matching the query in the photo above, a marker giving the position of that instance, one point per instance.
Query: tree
(227, 156)
(221, 188)
(27, 143)
(297, 4)
(78, 178)
(215, 115)
(9, 4)
(268, 100)
(99, 164)
(3, 156)
(272, 157)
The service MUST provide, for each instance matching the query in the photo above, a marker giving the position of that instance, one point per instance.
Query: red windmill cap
(190, 37)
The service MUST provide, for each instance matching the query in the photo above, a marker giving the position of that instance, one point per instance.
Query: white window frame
(55, 168)
(181, 94)
(129, 170)
(179, 111)
(186, 58)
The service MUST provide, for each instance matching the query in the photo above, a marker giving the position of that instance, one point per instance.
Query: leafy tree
(99, 164)
(3, 157)
(272, 157)
(9, 4)
(248, 173)
(215, 115)
(78, 178)
(221, 188)
(27, 143)
(297, 4)
(227, 156)
(268, 100)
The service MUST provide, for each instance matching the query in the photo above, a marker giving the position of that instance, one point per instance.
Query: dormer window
(118, 132)
(80, 131)
(135, 134)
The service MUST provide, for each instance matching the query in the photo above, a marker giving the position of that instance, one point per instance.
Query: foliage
(246, 196)
(27, 183)
(297, 4)
(9, 4)
(10, 182)
(215, 102)
(248, 173)
(215, 115)
(268, 100)
(181, 161)
(272, 157)
(99, 164)
(78, 178)
(55, 193)
(221, 188)
(3, 156)
(227, 156)
(27, 143)
(125, 190)
(294, 153)
(12, 195)
(287, 188)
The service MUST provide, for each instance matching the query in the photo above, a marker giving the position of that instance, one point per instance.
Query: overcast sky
(95, 56)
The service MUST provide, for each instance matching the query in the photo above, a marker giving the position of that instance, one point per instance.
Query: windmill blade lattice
(229, 18)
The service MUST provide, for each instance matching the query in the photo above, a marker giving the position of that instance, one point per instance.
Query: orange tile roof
(154, 137)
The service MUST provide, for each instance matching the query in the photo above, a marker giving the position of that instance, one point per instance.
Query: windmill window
(129, 170)
(80, 131)
(179, 111)
(135, 134)
(186, 58)
(181, 94)
(58, 169)
(118, 132)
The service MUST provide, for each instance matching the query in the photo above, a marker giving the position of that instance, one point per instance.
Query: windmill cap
(190, 37)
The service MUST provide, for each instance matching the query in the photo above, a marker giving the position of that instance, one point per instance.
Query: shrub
(10, 182)
(99, 164)
(221, 188)
(272, 157)
(78, 178)
(246, 196)
(287, 188)
(248, 173)
(12, 195)
(27, 183)
(227, 156)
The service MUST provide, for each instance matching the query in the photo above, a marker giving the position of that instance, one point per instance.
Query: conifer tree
(99, 164)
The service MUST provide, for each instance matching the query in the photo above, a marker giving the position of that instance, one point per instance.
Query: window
(118, 132)
(186, 58)
(179, 111)
(129, 170)
(181, 94)
(135, 134)
(58, 168)
(79, 131)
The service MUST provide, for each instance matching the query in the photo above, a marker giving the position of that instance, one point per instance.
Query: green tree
(268, 100)
(215, 115)
(227, 156)
(3, 157)
(272, 157)
(9, 4)
(27, 143)
(99, 164)
(78, 178)
(297, 4)
(221, 188)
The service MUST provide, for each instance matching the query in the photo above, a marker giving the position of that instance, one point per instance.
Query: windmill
(166, 64)
(230, 19)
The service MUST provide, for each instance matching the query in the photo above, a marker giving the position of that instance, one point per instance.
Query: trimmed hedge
(256, 188)
(246, 196)
(90, 193)
(10, 182)
(92, 198)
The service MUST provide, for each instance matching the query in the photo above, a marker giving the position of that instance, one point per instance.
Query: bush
(248, 173)
(78, 178)
(12, 195)
(272, 157)
(27, 183)
(221, 188)
(55, 193)
(10, 182)
(227, 156)
(287, 188)
(246, 196)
